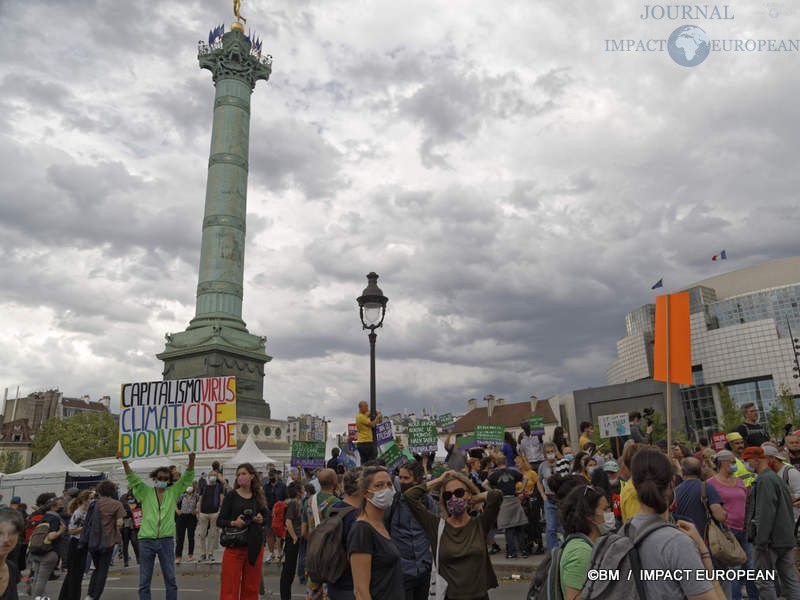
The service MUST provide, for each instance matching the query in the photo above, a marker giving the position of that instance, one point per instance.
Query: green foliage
(84, 436)
(731, 414)
(10, 462)
(784, 411)
(775, 421)
(660, 431)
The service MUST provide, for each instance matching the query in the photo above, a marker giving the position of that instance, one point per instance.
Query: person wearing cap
(752, 432)
(736, 445)
(770, 527)
(786, 473)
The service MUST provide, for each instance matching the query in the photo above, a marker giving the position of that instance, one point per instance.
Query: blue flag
(658, 284)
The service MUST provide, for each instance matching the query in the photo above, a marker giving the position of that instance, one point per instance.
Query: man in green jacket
(157, 532)
(770, 522)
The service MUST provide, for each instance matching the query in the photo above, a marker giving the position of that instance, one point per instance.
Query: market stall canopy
(56, 462)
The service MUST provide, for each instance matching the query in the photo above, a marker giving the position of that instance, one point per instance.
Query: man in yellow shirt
(587, 430)
(365, 433)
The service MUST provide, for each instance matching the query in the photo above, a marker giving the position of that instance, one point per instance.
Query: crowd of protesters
(403, 533)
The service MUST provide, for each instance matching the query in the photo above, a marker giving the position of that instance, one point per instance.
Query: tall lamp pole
(372, 310)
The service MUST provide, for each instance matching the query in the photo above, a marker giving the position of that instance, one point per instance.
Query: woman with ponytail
(463, 557)
(663, 545)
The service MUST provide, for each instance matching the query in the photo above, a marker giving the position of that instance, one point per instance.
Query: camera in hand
(648, 413)
(247, 516)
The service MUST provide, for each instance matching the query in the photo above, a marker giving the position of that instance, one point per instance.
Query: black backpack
(326, 558)
(546, 584)
(92, 534)
(619, 553)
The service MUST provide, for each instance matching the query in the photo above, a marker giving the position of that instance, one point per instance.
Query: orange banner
(680, 343)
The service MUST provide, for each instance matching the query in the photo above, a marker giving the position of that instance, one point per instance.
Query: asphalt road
(122, 584)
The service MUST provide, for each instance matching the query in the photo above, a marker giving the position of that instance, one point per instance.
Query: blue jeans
(551, 525)
(752, 590)
(164, 548)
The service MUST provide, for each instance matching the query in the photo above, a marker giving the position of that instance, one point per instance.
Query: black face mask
(404, 487)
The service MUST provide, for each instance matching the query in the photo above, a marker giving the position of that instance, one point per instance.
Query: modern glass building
(740, 324)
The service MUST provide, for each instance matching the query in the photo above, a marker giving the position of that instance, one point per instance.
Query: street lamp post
(372, 309)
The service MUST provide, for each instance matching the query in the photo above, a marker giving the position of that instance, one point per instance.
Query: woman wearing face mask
(374, 558)
(11, 528)
(734, 496)
(585, 515)
(244, 508)
(459, 539)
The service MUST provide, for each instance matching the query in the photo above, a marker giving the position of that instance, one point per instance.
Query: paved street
(203, 584)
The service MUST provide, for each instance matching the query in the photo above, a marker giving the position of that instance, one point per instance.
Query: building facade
(740, 331)
(307, 428)
(38, 407)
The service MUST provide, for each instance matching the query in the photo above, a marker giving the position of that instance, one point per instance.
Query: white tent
(54, 473)
(249, 453)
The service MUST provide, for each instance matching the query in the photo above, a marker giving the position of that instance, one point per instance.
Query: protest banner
(392, 456)
(178, 416)
(537, 425)
(718, 440)
(352, 432)
(614, 425)
(467, 442)
(383, 433)
(408, 454)
(487, 435)
(422, 437)
(309, 455)
(446, 422)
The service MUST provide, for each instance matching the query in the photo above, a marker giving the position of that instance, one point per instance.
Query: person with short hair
(211, 489)
(365, 433)
(342, 589)
(409, 536)
(639, 434)
(751, 430)
(736, 445)
(546, 470)
(323, 500)
(587, 430)
(771, 527)
(44, 564)
(186, 510)
(293, 522)
(157, 531)
(792, 444)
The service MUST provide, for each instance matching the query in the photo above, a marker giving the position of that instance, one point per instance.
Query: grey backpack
(619, 553)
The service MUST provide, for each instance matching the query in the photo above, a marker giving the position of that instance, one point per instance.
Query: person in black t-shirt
(274, 490)
(751, 430)
(512, 516)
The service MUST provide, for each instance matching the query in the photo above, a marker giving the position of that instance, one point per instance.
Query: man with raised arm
(157, 532)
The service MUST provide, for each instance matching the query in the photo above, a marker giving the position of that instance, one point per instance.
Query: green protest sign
(467, 442)
(438, 470)
(446, 422)
(489, 434)
(392, 456)
(422, 437)
(309, 455)
(537, 425)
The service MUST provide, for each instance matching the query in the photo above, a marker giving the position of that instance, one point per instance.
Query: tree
(10, 462)
(731, 415)
(83, 436)
(783, 412)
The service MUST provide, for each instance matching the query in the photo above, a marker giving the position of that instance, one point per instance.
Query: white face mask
(382, 499)
(608, 524)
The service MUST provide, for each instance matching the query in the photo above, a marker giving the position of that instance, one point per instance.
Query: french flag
(721, 256)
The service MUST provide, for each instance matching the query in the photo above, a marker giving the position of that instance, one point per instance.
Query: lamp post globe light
(372, 309)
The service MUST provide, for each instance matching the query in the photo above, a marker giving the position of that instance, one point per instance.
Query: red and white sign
(718, 440)
(137, 517)
(352, 432)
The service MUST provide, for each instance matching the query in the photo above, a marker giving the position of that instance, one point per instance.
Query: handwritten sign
(487, 435)
(719, 440)
(383, 433)
(309, 455)
(352, 432)
(393, 456)
(446, 422)
(136, 513)
(536, 425)
(422, 437)
(614, 425)
(159, 418)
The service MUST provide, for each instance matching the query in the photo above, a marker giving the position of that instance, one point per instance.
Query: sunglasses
(459, 493)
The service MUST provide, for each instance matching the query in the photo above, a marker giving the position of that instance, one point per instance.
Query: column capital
(234, 57)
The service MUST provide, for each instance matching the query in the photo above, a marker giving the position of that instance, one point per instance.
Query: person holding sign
(365, 433)
(157, 531)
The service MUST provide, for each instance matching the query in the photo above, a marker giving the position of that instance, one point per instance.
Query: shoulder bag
(722, 544)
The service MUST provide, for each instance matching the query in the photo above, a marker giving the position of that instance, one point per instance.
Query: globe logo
(689, 45)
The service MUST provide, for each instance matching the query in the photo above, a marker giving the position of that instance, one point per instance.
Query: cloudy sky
(517, 188)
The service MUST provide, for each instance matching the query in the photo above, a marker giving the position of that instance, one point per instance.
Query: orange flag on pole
(672, 359)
